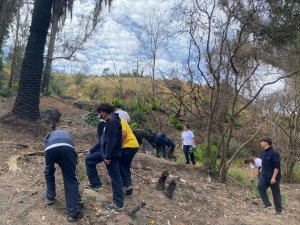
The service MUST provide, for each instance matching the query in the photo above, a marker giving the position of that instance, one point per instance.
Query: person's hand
(273, 181)
(107, 161)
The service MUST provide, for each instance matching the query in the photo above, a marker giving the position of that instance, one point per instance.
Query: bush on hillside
(57, 85)
(175, 122)
(91, 119)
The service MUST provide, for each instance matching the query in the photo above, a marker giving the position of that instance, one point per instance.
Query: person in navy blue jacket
(59, 149)
(110, 152)
(270, 175)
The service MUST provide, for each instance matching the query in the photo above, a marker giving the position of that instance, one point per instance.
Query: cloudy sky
(115, 45)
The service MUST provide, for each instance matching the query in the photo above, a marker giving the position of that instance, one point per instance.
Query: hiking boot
(94, 187)
(128, 190)
(75, 218)
(113, 207)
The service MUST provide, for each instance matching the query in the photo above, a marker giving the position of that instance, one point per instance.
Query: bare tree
(152, 35)
(223, 64)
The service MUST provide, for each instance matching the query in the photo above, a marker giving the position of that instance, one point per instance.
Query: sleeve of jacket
(276, 160)
(112, 138)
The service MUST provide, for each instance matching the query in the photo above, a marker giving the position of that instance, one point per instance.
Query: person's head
(186, 127)
(249, 160)
(118, 106)
(265, 142)
(104, 110)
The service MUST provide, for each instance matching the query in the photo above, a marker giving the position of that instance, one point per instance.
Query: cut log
(170, 190)
(136, 209)
(162, 180)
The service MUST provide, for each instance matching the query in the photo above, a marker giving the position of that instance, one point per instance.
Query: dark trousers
(161, 148)
(116, 181)
(263, 184)
(66, 158)
(91, 161)
(125, 164)
(188, 154)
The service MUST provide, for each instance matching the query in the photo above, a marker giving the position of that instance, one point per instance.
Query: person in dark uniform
(270, 175)
(160, 141)
(170, 145)
(59, 149)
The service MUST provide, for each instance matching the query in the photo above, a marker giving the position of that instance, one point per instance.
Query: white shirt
(257, 163)
(187, 137)
(123, 114)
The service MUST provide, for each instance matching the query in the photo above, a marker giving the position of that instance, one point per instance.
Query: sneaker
(269, 207)
(94, 187)
(278, 213)
(128, 190)
(49, 201)
(113, 207)
(75, 218)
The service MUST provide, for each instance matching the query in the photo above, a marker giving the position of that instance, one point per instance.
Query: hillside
(198, 199)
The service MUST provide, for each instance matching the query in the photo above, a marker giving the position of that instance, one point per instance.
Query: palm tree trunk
(47, 70)
(28, 98)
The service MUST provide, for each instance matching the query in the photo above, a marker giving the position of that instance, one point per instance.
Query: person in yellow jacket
(130, 147)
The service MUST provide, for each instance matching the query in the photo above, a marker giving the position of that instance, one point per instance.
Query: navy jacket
(58, 137)
(100, 128)
(160, 138)
(169, 143)
(111, 140)
(270, 160)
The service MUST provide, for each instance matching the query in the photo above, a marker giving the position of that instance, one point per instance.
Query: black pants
(161, 148)
(66, 158)
(263, 184)
(125, 164)
(91, 162)
(116, 181)
(188, 154)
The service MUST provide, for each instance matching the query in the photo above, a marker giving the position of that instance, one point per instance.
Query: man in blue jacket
(270, 175)
(110, 152)
(59, 148)
(160, 141)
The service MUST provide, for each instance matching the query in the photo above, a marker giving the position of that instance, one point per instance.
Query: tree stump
(170, 190)
(162, 180)
(136, 209)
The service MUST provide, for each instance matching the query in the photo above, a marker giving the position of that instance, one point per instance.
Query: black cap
(268, 140)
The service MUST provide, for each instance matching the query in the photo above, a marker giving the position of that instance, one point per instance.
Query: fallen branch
(142, 178)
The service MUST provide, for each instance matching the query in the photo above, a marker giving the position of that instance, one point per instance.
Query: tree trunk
(28, 98)
(48, 67)
(16, 48)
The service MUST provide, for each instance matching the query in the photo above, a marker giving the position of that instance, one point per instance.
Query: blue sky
(115, 45)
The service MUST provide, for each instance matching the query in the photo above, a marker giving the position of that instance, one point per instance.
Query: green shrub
(91, 119)
(133, 125)
(15, 86)
(296, 173)
(6, 92)
(175, 122)
(57, 85)
(238, 175)
(154, 105)
(94, 91)
(209, 164)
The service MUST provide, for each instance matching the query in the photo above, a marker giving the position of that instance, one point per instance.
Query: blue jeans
(91, 161)
(263, 184)
(66, 158)
(125, 164)
(116, 181)
(187, 154)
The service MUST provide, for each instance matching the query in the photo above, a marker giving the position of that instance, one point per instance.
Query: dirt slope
(199, 200)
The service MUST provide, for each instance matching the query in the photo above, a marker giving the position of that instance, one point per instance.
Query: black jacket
(100, 128)
(111, 140)
(270, 160)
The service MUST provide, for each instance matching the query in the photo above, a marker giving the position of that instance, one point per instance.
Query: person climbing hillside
(254, 163)
(130, 147)
(110, 153)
